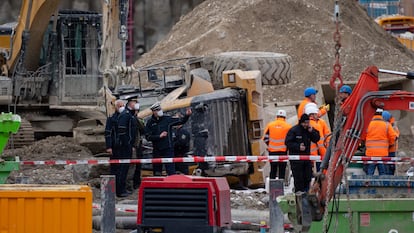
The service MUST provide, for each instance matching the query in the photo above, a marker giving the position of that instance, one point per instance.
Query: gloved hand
(326, 107)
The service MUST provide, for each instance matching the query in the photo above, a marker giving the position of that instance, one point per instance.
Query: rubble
(302, 29)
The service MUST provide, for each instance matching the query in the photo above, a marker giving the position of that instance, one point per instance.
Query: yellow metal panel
(45, 208)
(250, 81)
(34, 16)
(5, 42)
(199, 86)
(409, 43)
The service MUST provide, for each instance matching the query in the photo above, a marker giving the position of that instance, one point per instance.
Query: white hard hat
(311, 108)
(379, 110)
(281, 113)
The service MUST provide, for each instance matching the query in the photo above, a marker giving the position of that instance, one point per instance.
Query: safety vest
(301, 108)
(379, 137)
(324, 133)
(394, 148)
(275, 134)
(314, 146)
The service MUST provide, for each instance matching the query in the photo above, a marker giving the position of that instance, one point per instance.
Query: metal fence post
(108, 224)
(276, 215)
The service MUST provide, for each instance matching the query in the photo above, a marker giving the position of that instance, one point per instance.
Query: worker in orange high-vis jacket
(380, 136)
(274, 137)
(392, 150)
(319, 124)
(310, 97)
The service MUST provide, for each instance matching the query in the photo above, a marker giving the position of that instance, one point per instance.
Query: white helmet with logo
(311, 108)
(281, 113)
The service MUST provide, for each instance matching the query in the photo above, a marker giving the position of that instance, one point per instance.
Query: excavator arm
(356, 113)
(33, 21)
(354, 116)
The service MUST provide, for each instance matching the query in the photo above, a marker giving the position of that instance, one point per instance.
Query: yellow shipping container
(45, 209)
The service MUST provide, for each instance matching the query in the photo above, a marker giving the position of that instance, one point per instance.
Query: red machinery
(352, 121)
(183, 204)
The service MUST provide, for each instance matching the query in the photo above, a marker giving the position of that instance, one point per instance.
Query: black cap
(304, 118)
(133, 99)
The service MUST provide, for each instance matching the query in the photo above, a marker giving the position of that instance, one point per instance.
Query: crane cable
(336, 82)
(336, 79)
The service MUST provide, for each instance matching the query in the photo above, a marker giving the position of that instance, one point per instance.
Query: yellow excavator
(50, 66)
(59, 66)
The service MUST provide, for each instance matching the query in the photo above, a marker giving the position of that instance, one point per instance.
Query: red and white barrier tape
(194, 159)
(201, 159)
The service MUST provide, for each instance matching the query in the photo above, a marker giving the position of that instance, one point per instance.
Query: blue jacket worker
(111, 136)
(127, 128)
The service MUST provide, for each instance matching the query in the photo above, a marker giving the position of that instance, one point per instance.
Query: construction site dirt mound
(49, 149)
(302, 29)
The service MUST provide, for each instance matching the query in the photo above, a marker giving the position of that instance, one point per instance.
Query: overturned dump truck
(225, 92)
(228, 121)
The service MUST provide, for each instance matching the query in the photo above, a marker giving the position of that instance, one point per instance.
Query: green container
(5, 168)
(372, 216)
(9, 123)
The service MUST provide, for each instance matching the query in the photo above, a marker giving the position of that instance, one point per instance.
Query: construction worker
(127, 127)
(298, 141)
(274, 137)
(344, 92)
(310, 97)
(390, 168)
(111, 137)
(159, 132)
(319, 124)
(380, 136)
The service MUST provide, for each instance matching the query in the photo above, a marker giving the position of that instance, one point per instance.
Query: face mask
(121, 109)
(136, 106)
(160, 113)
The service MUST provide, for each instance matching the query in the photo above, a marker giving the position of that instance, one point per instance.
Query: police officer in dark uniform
(181, 139)
(159, 132)
(111, 136)
(138, 148)
(127, 128)
(298, 141)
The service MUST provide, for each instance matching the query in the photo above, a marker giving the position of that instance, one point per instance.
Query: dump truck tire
(275, 67)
